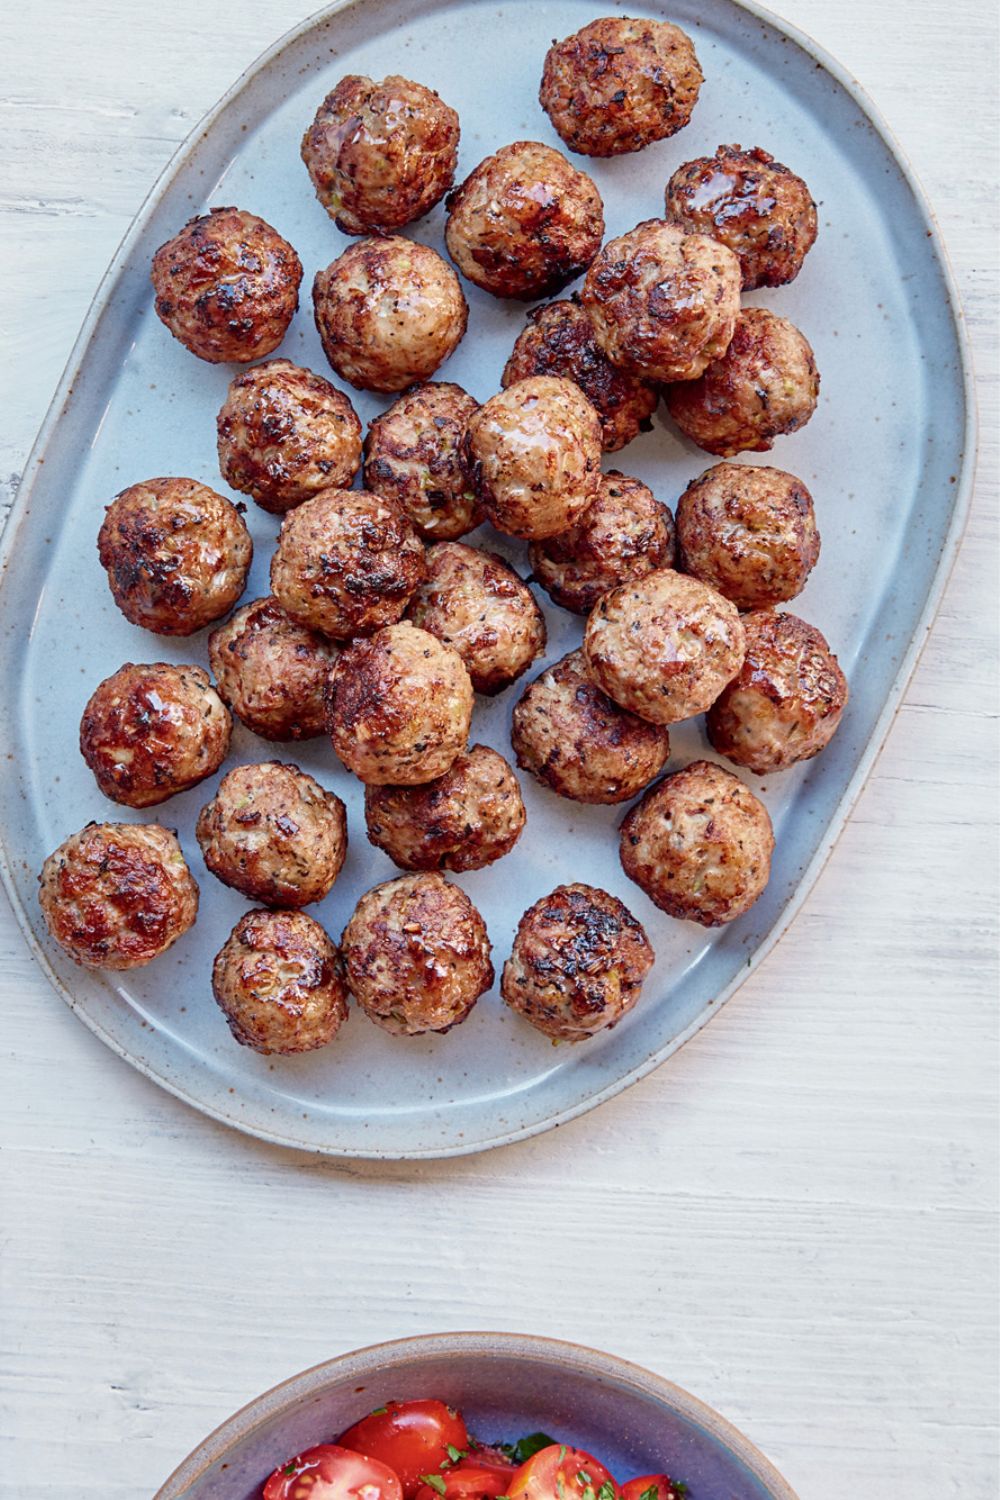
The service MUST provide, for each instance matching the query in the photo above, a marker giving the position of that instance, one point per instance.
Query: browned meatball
(525, 222)
(417, 955)
(748, 531)
(284, 433)
(617, 84)
(624, 535)
(148, 732)
(176, 554)
(414, 456)
(663, 303)
(469, 817)
(576, 741)
(578, 963)
(699, 844)
(273, 833)
(272, 671)
(785, 703)
(476, 604)
(227, 286)
(753, 204)
(117, 895)
(388, 312)
(664, 647)
(764, 385)
(347, 562)
(381, 154)
(278, 981)
(399, 707)
(535, 456)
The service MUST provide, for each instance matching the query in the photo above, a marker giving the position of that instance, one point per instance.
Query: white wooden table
(795, 1218)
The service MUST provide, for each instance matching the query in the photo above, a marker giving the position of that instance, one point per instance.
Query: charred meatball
(388, 312)
(227, 286)
(624, 535)
(279, 983)
(525, 222)
(274, 834)
(699, 844)
(479, 606)
(663, 303)
(414, 456)
(399, 707)
(271, 671)
(748, 531)
(765, 384)
(285, 433)
(347, 563)
(149, 732)
(176, 555)
(618, 84)
(535, 456)
(117, 895)
(417, 955)
(578, 963)
(751, 203)
(785, 703)
(381, 154)
(664, 647)
(469, 817)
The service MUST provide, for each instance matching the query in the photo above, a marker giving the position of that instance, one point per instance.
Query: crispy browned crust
(414, 456)
(271, 671)
(279, 983)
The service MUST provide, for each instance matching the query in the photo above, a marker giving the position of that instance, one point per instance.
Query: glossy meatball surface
(271, 671)
(227, 286)
(578, 962)
(786, 701)
(765, 384)
(417, 955)
(699, 844)
(381, 154)
(525, 222)
(414, 456)
(117, 895)
(278, 981)
(148, 732)
(274, 834)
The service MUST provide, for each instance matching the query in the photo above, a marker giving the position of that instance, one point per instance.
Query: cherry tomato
(412, 1437)
(662, 1485)
(562, 1473)
(467, 1482)
(333, 1473)
(483, 1457)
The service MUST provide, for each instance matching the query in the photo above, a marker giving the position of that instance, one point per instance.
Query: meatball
(576, 741)
(272, 671)
(525, 222)
(381, 154)
(663, 303)
(480, 607)
(273, 833)
(699, 844)
(399, 707)
(279, 983)
(149, 732)
(765, 384)
(469, 817)
(347, 563)
(751, 203)
(624, 535)
(417, 955)
(414, 456)
(785, 703)
(227, 286)
(618, 84)
(388, 312)
(176, 555)
(749, 532)
(534, 453)
(285, 433)
(117, 895)
(664, 647)
(577, 965)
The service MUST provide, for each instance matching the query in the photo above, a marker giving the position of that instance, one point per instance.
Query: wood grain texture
(796, 1218)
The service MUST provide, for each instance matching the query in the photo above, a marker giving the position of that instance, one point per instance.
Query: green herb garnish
(435, 1481)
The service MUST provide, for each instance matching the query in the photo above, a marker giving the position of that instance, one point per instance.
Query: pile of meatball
(383, 625)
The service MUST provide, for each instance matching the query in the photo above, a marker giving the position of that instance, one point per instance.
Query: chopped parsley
(456, 1453)
(435, 1481)
(607, 1492)
(527, 1447)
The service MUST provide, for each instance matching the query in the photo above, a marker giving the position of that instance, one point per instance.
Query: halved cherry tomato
(413, 1438)
(662, 1485)
(333, 1473)
(484, 1457)
(467, 1482)
(563, 1473)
